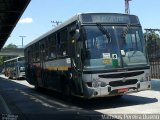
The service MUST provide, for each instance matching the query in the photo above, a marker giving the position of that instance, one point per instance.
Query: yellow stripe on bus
(61, 68)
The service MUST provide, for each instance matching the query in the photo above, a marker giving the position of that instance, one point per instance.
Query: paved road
(20, 100)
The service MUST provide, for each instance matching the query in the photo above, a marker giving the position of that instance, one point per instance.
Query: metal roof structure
(10, 13)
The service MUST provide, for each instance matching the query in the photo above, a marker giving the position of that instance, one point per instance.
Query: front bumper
(91, 92)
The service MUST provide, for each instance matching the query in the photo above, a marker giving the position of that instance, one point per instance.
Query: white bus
(90, 55)
(15, 68)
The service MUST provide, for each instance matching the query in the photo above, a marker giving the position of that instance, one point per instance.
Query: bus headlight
(99, 84)
(142, 79)
(103, 84)
(95, 84)
(146, 78)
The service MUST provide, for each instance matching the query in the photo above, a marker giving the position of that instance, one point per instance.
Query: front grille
(122, 82)
(121, 75)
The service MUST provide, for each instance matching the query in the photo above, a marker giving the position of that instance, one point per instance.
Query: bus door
(42, 71)
(76, 63)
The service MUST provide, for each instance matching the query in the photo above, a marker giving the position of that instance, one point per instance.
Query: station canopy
(10, 13)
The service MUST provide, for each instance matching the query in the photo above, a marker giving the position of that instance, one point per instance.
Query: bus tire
(36, 86)
(118, 96)
(67, 93)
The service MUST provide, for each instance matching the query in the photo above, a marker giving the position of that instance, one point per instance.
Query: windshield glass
(132, 46)
(113, 47)
(101, 47)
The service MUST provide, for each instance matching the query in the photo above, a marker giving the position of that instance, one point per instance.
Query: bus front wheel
(118, 96)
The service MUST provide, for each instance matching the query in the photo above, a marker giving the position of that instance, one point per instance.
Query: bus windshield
(113, 47)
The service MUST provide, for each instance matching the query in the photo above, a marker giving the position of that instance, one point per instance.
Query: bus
(90, 55)
(15, 68)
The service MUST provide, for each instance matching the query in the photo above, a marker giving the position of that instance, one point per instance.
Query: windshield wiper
(104, 31)
(124, 33)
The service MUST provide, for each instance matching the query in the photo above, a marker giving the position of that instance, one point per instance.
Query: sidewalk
(3, 76)
(3, 106)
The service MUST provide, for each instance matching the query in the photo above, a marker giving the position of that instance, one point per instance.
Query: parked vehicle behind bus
(15, 68)
(90, 55)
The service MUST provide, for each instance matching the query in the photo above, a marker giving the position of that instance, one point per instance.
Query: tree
(153, 43)
(11, 45)
(3, 58)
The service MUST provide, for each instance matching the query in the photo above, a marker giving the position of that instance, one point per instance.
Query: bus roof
(71, 20)
(74, 18)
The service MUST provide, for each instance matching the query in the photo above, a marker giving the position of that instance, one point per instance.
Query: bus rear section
(15, 68)
(20, 70)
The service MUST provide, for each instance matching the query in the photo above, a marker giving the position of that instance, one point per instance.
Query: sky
(36, 20)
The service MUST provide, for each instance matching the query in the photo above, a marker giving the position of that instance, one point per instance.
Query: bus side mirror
(77, 34)
(74, 32)
(123, 53)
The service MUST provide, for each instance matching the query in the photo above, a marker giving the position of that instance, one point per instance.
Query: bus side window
(52, 46)
(42, 51)
(34, 54)
(30, 55)
(27, 56)
(37, 52)
(62, 43)
(46, 49)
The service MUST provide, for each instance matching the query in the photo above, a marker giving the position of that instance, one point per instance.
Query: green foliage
(3, 58)
(151, 36)
(153, 42)
(11, 45)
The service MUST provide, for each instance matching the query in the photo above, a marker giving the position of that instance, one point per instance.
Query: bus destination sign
(105, 18)
(110, 18)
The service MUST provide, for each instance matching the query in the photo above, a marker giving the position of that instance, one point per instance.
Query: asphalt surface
(20, 101)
